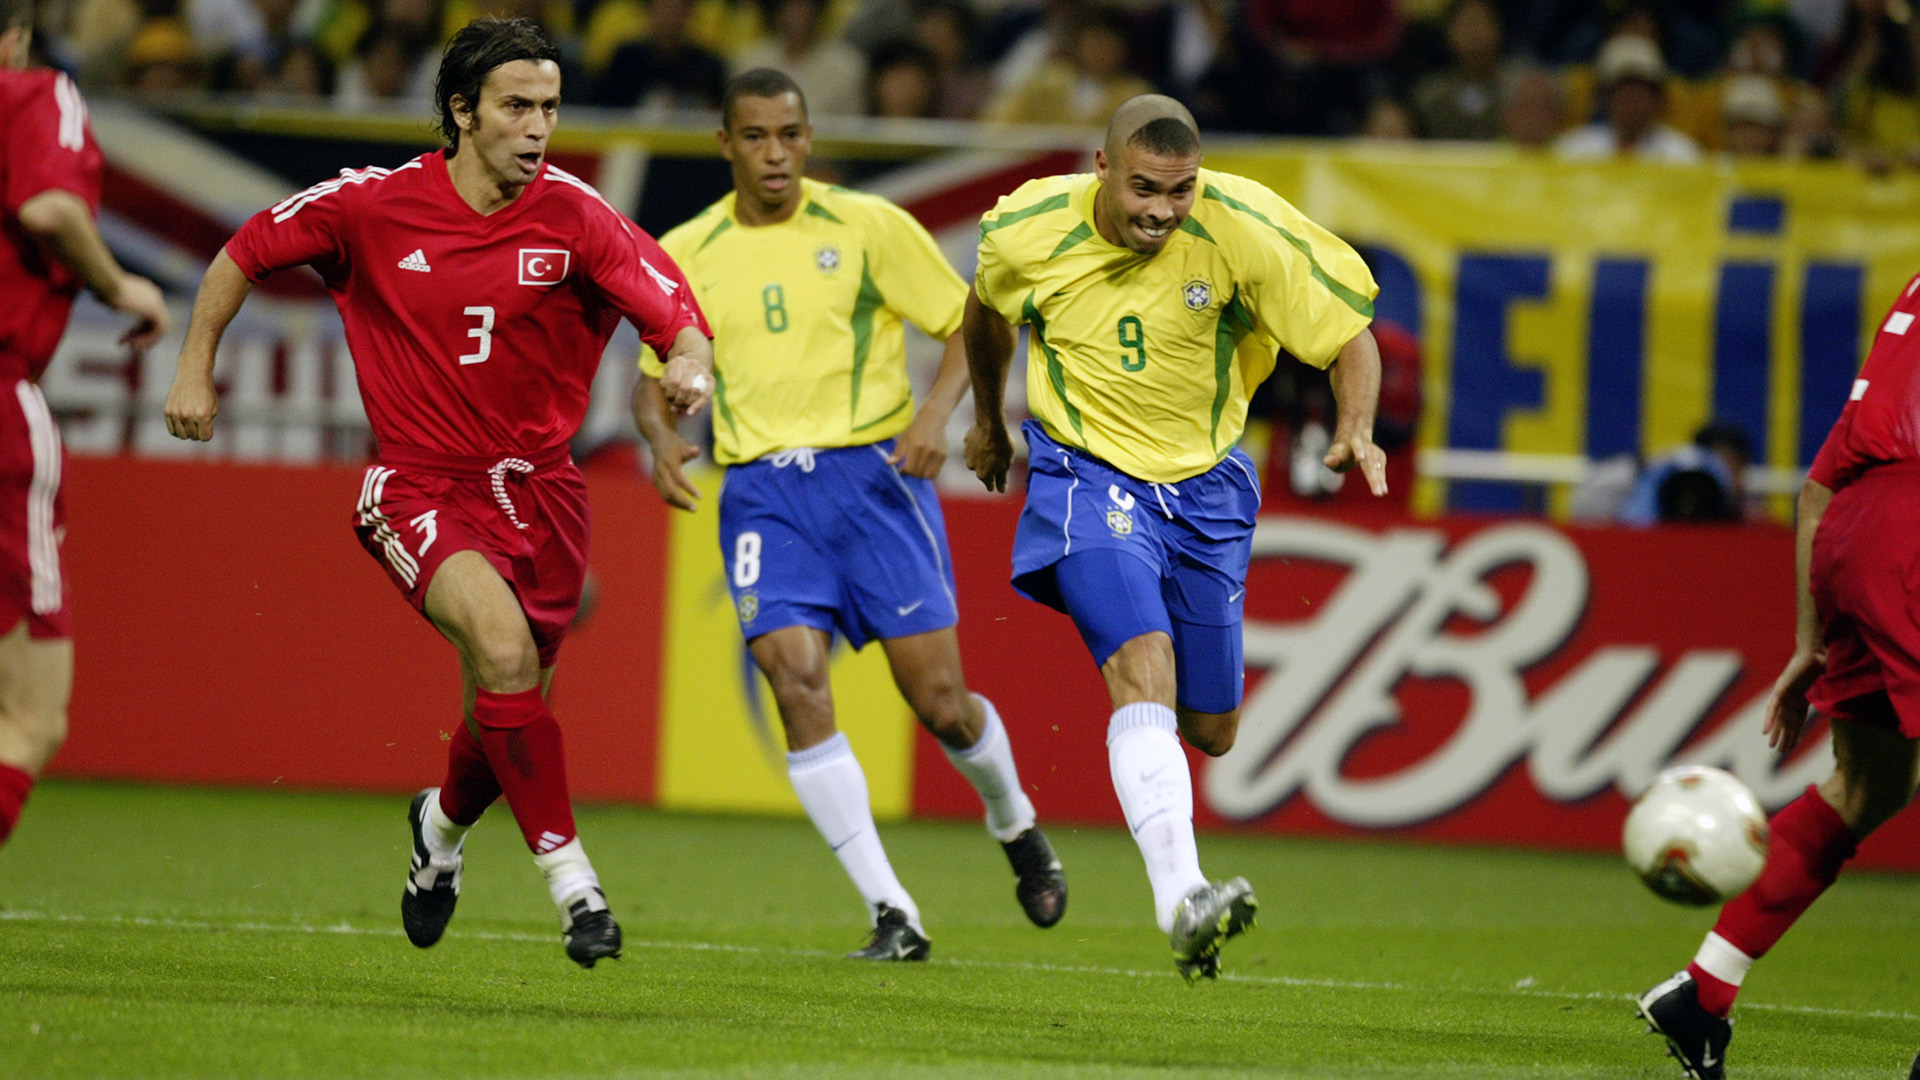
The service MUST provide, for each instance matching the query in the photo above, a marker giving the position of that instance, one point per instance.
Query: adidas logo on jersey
(416, 261)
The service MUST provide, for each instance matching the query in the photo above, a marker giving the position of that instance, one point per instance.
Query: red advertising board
(1465, 680)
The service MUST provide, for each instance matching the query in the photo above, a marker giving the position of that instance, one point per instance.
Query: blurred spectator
(1462, 101)
(1389, 121)
(1705, 481)
(1242, 90)
(1632, 81)
(304, 71)
(1876, 85)
(1533, 106)
(161, 59)
(903, 81)
(1753, 119)
(831, 73)
(1037, 33)
(665, 70)
(1086, 85)
(98, 34)
(1559, 32)
(397, 66)
(945, 28)
(1767, 46)
(1327, 51)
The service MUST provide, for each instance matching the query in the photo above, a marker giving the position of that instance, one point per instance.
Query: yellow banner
(1610, 308)
(721, 744)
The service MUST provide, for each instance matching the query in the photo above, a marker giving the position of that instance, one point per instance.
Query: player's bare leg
(519, 743)
(36, 679)
(926, 668)
(1875, 771)
(832, 786)
(1155, 787)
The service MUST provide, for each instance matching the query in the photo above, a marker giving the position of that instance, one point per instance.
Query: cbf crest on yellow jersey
(1147, 361)
(808, 345)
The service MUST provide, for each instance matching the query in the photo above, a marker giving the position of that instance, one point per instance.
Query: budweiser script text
(1330, 681)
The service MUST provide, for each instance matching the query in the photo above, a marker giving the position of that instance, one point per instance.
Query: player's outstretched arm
(1356, 392)
(670, 452)
(193, 402)
(687, 381)
(1787, 704)
(62, 221)
(922, 449)
(989, 338)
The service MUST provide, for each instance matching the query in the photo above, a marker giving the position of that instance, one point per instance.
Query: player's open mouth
(775, 181)
(1152, 232)
(530, 160)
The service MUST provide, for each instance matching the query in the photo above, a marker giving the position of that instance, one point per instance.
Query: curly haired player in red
(1856, 661)
(478, 287)
(50, 176)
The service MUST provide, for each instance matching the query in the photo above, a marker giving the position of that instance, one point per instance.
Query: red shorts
(1866, 591)
(526, 515)
(33, 516)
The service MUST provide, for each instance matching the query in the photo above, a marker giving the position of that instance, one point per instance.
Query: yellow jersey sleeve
(911, 273)
(1008, 257)
(1306, 289)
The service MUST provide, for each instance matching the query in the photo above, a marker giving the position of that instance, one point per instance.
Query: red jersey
(1881, 420)
(475, 335)
(45, 144)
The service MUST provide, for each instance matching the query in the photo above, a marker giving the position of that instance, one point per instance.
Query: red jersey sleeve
(641, 282)
(304, 229)
(48, 145)
(1878, 423)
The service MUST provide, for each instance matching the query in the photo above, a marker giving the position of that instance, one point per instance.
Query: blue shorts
(837, 540)
(1126, 557)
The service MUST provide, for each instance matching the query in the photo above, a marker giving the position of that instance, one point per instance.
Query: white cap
(1753, 99)
(1629, 56)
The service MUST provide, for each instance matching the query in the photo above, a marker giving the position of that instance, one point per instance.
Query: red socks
(470, 786)
(1810, 844)
(15, 785)
(521, 741)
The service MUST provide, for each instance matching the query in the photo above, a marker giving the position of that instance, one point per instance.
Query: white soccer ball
(1698, 836)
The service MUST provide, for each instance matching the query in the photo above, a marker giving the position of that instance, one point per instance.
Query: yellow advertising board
(1613, 307)
(721, 746)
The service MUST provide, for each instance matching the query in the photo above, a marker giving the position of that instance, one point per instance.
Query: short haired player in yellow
(1157, 295)
(828, 516)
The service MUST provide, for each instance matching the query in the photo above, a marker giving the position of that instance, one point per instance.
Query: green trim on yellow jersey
(1236, 322)
(1193, 227)
(1081, 233)
(1056, 374)
(1044, 206)
(808, 315)
(1352, 299)
(865, 304)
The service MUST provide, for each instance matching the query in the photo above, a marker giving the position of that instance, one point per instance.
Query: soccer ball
(1698, 836)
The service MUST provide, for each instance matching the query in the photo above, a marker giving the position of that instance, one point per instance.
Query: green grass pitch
(152, 932)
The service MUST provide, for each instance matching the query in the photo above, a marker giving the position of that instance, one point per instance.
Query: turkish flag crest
(544, 266)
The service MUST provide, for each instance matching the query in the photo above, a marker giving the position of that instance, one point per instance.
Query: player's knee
(800, 688)
(941, 702)
(1213, 734)
(33, 735)
(505, 665)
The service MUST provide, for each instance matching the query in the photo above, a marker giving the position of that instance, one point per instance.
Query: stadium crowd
(1586, 78)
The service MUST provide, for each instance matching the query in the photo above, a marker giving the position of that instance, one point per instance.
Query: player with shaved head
(1157, 296)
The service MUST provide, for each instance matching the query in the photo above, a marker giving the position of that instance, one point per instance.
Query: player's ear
(462, 111)
(1100, 164)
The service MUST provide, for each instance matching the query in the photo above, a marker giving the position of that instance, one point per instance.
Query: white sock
(1721, 959)
(833, 788)
(1156, 793)
(568, 871)
(442, 834)
(988, 766)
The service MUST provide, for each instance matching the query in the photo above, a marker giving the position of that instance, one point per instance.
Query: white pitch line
(1292, 981)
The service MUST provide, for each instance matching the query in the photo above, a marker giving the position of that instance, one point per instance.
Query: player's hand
(670, 456)
(688, 384)
(1350, 450)
(143, 300)
(1787, 704)
(989, 452)
(921, 450)
(191, 406)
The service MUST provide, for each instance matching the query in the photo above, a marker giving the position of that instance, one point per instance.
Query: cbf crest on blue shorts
(835, 539)
(1126, 557)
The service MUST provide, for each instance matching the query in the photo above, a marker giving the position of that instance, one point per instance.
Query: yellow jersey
(808, 346)
(1147, 361)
